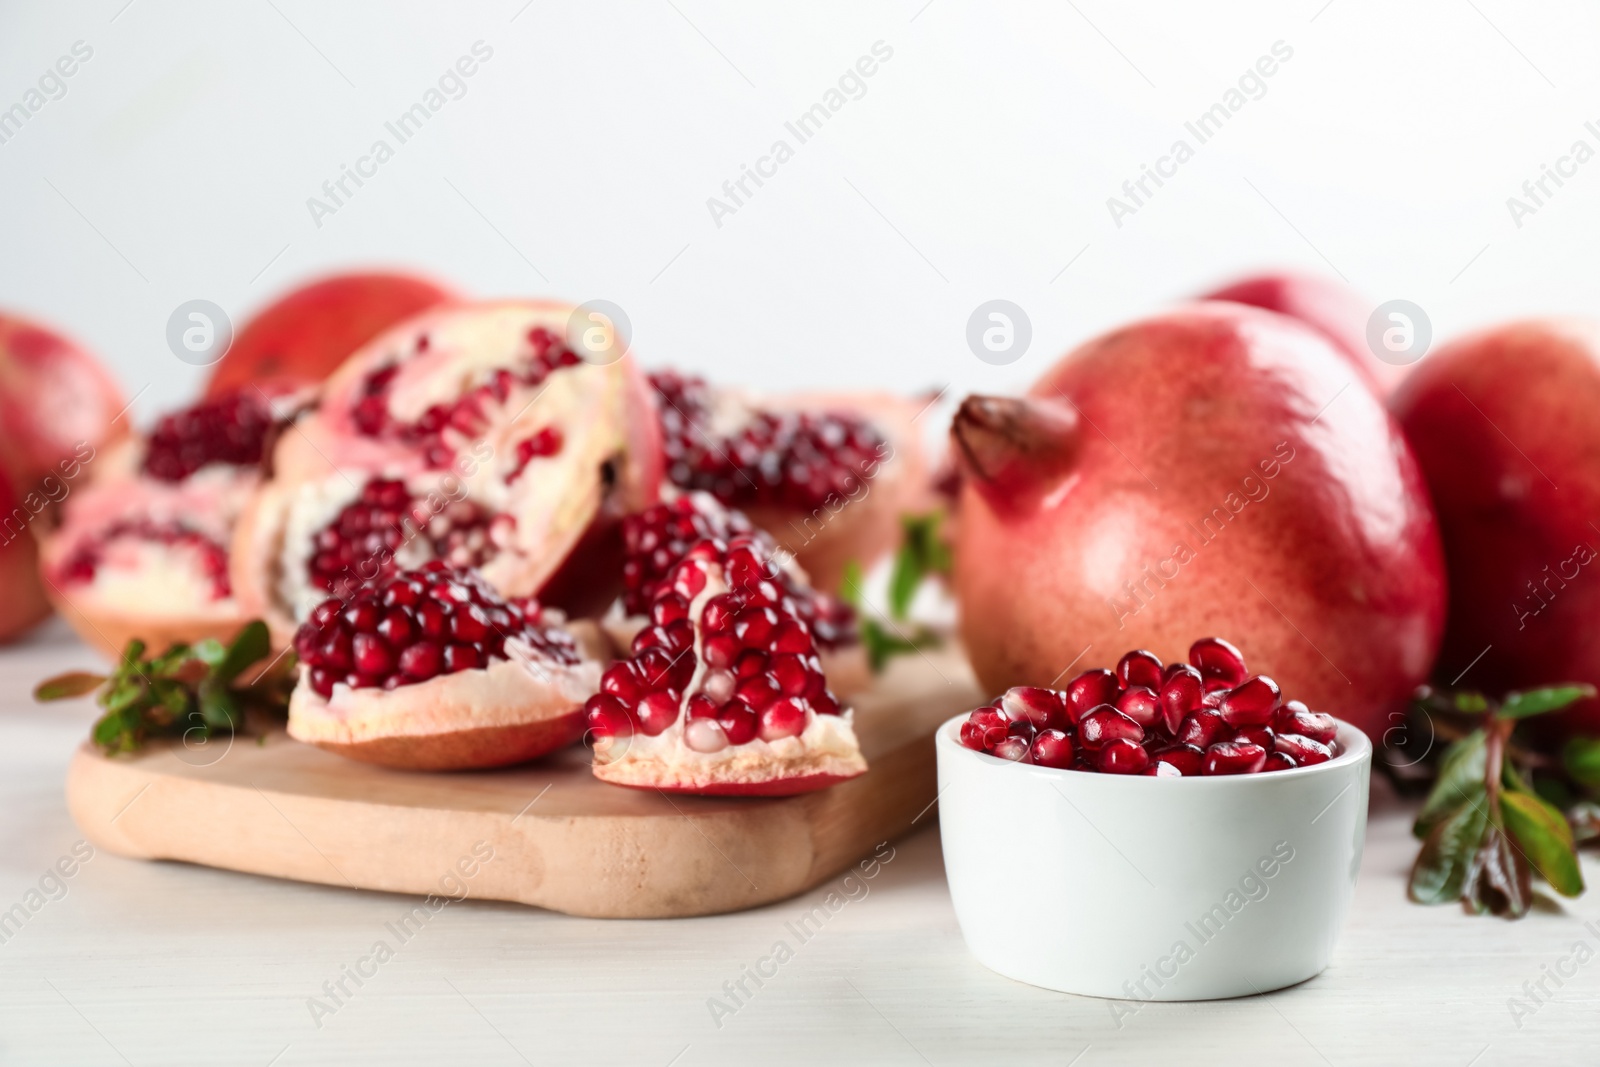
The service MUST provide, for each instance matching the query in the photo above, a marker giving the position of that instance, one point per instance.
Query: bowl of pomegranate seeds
(1232, 877)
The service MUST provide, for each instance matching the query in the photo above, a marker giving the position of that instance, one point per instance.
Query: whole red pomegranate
(1332, 309)
(55, 399)
(1503, 425)
(302, 336)
(23, 603)
(1205, 471)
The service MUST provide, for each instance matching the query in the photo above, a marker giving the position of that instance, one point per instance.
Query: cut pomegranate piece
(431, 669)
(474, 434)
(1098, 723)
(143, 549)
(739, 664)
(828, 477)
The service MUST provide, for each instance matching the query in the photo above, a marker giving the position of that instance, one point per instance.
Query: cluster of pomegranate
(1204, 717)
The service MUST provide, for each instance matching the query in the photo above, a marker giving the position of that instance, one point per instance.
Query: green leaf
(1581, 758)
(218, 708)
(1440, 871)
(1539, 701)
(132, 654)
(69, 685)
(1460, 779)
(850, 583)
(881, 645)
(252, 644)
(1458, 701)
(1497, 881)
(1545, 839)
(209, 651)
(922, 552)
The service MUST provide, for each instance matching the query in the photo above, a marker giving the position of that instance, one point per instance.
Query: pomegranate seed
(1180, 694)
(1185, 759)
(759, 691)
(656, 711)
(1141, 705)
(1201, 728)
(1303, 750)
(1252, 703)
(1277, 761)
(1139, 667)
(785, 718)
(739, 721)
(1088, 691)
(1042, 707)
(1052, 748)
(1233, 757)
(702, 707)
(608, 717)
(1105, 724)
(1217, 659)
(1162, 769)
(230, 430)
(1295, 718)
(705, 735)
(1255, 735)
(372, 656)
(1014, 749)
(421, 661)
(1122, 756)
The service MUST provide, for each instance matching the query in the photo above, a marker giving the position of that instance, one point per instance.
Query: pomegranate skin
(1332, 309)
(24, 603)
(55, 398)
(1502, 422)
(1219, 476)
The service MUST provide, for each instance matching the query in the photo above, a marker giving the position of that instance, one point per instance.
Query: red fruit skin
(1328, 575)
(23, 603)
(1329, 307)
(302, 336)
(54, 397)
(1503, 424)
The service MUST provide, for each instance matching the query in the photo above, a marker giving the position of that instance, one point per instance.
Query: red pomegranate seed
(230, 430)
(1303, 750)
(607, 717)
(1186, 759)
(1139, 667)
(1122, 756)
(1233, 757)
(1106, 724)
(1295, 718)
(1277, 761)
(210, 557)
(1252, 703)
(1141, 705)
(1042, 707)
(1014, 749)
(1052, 748)
(1088, 691)
(1201, 728)
(1180, 694)
(1218, 660)
(1162, 769)
(785, 718)
(656, 712)
(1255, 735)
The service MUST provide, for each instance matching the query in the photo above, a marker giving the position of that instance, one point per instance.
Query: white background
(976, 166)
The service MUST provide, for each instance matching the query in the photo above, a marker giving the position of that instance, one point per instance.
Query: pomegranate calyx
(1015, 450)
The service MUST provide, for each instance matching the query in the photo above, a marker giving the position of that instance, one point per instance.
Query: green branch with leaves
(923, 554)
(190, 691)
(1485, 830)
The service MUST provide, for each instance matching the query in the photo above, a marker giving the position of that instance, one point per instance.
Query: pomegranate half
(1503, 425)
(1204, 471)
(432, 670)
(474, 434)
(827, 476)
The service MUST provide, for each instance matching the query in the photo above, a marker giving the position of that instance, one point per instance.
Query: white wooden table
(166, 964)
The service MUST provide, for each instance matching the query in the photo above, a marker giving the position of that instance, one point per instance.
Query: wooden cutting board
(558, 837)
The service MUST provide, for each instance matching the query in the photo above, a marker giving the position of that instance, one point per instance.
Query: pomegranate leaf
(69, 685)
(1540, 701)
(1460, 778)
(1440, 871)
(251, 644)
(1581, 759)
(922, 552)
(1496, 881)
(1544, 837)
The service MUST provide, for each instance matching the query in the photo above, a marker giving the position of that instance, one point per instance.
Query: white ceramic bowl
(1152, 888)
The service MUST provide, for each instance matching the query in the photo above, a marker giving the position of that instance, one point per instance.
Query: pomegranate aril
(1186, 759)
(1088, 691)
(702, 707)
(705, 735)
(785, 718)
(759, 691)
(1201, 728)
(739, 722)
(1014, 749)
(1233, 757)
(791, 674)
(608, 717)
(1255, 735)
(1122, 756)
(1277, 761)
(421, 661)
(1162, 769)
(1303, 750)
(1139, 667)
(1042, 707)
(1181, 693)
(1051, 748)
(656, 712)
(232, 430)
(1141, 705)
(1106, 724)
(1295, 718)
(370, 655)
(1217, 659)
(1252, 703)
